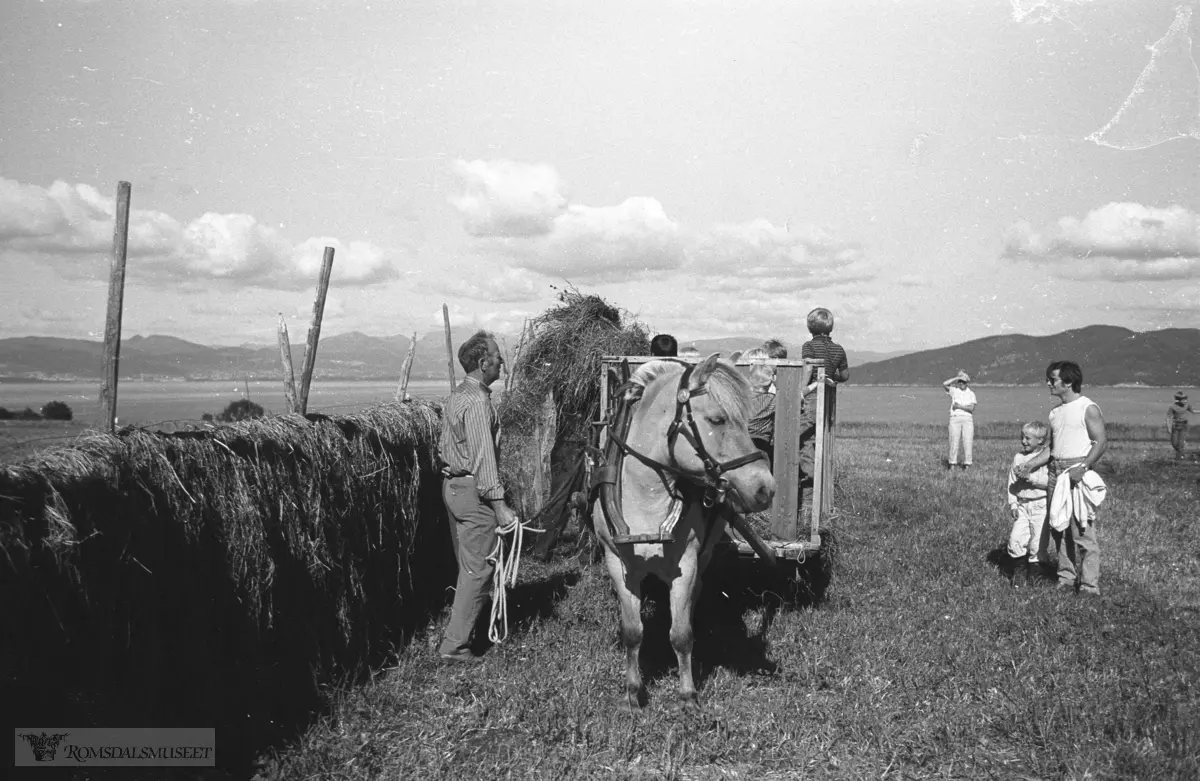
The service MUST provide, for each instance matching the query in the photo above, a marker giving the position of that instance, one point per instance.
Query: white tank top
(1071, 438)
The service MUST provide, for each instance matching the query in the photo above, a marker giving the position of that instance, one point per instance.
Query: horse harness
(608, 472)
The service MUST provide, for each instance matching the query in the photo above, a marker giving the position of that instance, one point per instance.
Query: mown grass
(915, 660)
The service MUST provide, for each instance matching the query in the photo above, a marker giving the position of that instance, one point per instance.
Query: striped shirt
(822, 348)
(468, 440)
(762, 416)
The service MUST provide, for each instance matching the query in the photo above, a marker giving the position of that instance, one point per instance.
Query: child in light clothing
(1027, 504)
(761, 423)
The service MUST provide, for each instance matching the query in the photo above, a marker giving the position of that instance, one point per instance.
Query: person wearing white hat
(1177, 423)
(962, 419)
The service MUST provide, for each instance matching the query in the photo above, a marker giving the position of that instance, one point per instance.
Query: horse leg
(629, 594)
(684, 590)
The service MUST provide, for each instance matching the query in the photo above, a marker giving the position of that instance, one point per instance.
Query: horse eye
(717, 420)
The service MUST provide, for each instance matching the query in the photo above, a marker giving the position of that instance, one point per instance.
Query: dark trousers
(473, 528)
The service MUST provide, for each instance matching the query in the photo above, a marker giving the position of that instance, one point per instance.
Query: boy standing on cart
(830, 354)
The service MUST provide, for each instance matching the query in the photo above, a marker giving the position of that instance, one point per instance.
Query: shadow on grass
(735, 587)
(528, 602)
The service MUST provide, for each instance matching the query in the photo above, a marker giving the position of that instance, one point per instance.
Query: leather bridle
(684, 424)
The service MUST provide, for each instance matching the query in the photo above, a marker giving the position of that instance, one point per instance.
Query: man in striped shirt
(471, 488)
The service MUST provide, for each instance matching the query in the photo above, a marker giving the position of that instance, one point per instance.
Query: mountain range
(1109, 355)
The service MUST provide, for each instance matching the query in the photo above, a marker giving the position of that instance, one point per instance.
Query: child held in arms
(1027, 505)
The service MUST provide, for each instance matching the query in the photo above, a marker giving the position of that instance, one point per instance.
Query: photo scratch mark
(1165, 102)
(1043, 11)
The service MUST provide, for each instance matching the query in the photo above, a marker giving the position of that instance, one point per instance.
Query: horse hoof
(689, 702)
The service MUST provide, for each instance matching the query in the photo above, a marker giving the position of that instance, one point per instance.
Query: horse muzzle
(751, 489)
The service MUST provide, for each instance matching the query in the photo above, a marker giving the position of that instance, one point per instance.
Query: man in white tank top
(1077, 441)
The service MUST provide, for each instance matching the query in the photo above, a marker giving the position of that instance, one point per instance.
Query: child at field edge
(1027, 504)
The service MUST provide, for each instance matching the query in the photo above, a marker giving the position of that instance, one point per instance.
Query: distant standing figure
(664, 346)
(962, 420)
(1177, 423)
(1027, 505)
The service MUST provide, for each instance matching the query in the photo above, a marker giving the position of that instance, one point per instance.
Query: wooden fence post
(449, 347)
(314, 330)
(289, 373)
(116, 298)
(544, 433)
(406, 369)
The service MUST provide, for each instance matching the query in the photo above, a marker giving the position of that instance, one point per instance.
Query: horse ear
(705, 368)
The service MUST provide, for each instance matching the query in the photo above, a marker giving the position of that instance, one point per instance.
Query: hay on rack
(229, 568)
(559, 356)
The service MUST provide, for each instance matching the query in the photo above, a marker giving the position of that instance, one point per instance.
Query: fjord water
(164, 403)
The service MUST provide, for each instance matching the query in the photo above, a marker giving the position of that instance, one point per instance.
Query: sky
(932, 172)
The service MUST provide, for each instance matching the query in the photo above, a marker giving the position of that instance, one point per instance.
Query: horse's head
(694, 419)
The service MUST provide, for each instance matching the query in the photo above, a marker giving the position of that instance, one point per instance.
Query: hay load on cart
(550, 403)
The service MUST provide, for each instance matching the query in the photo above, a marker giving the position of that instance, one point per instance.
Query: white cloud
(504, 198)
(496, 283)
(465, 321)
(68, 225)
(608, 243)
(700, 311)
(1119, 241)
(357, 263)
(518, 210)
(761, 256)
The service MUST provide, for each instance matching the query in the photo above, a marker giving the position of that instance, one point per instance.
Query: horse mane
(728, 389)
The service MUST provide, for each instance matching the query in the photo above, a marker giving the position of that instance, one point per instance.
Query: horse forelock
(727, 388)
(730, 391)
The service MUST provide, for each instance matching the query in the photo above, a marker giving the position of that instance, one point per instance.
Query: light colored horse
(687, 455)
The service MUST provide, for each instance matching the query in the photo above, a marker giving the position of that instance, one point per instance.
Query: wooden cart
(790, 542)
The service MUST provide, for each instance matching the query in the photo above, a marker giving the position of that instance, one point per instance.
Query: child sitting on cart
(762, 402)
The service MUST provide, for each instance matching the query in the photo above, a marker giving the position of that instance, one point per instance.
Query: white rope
(504, 574)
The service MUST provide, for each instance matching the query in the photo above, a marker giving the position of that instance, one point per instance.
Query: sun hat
(1180, 396)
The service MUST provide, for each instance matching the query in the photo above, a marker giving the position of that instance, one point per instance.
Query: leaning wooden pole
(116, 298)
(289, 373)
(449, 346)
(314, 330)
(406, 369)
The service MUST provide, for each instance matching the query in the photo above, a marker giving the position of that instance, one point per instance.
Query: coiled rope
(504, 574)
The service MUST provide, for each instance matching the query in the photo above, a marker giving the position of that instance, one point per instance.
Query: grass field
(912, 659)
(22, 438)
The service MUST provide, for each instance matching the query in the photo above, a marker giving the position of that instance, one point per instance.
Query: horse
(663, 501)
